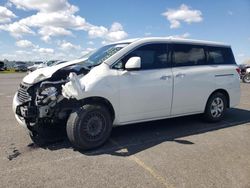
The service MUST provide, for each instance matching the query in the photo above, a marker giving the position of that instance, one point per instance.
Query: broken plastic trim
(73, 88)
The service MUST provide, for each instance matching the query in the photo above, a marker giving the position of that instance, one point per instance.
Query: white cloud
(62, 19)
(64, 45)
(16, 29)
(57, 18)
(45, 5)
(97, 31)
(44, 50)
(54, 18)
(49, 31)
(115, 33)
(183, 14)
(183, 36)
(8, 56)
(24, 44)
(22, 52)
(87, 50)
(6, 15)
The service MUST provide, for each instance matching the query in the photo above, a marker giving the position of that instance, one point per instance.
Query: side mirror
(134, 63)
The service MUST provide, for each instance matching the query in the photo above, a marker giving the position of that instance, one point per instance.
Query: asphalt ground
(179, 152)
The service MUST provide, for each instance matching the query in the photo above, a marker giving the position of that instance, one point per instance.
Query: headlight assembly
(49, 91)
(46, 95)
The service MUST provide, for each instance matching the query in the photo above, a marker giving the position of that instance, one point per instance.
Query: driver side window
(153, 56)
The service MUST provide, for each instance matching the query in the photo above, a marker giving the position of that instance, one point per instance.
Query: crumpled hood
(45, 73)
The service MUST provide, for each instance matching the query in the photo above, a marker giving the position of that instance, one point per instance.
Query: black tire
(215, 107)
(246, 78)
(89, 127)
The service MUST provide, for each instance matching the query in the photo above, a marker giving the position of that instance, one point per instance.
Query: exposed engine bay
(44, 102)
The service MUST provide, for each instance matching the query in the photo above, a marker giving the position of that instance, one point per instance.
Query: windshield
(103, 53)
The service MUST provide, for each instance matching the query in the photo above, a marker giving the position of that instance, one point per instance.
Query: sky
(35, 30)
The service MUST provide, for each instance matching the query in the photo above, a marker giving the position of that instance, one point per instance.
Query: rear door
(193, 79)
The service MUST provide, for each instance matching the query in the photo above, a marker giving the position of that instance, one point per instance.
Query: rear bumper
(19, 119)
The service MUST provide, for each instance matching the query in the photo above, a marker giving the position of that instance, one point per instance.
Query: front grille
(22, 93)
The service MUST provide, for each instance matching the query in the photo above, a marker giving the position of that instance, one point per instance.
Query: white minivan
(127, 82)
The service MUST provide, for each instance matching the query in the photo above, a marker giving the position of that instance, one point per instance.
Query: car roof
(173, 40)
(133, 43)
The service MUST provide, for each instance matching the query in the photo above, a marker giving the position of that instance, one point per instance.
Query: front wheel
(89, 127)
(216, 107)
(246, 78)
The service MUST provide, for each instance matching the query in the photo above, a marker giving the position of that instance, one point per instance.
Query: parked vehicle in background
(56, 63)
(42, 65)
(34, 66)
(245, 73)
(20, 66)
(126, 82)
(47, 63)
(2, 66)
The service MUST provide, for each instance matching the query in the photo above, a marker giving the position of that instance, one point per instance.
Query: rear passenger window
(188, 55)
(220, 55)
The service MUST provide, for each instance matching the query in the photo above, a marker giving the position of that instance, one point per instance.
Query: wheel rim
(247, 78)
(94, 125)
(217, 107)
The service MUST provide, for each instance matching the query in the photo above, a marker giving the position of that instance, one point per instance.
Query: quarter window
(188, 55)
(219, 55)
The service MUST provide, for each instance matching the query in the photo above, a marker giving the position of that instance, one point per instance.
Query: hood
(45, 73)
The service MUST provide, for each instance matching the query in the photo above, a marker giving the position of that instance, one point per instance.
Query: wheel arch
(102, 101)
(224, 92)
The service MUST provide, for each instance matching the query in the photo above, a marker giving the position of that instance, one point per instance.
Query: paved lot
(180, 152)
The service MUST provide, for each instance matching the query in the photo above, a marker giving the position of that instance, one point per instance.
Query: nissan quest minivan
(127, 82)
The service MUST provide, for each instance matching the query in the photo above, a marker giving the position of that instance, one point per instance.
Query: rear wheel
(89, 127)
(246, 78)
(216, 107)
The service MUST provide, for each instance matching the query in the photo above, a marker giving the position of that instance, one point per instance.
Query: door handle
(165, 77)
(180, 75)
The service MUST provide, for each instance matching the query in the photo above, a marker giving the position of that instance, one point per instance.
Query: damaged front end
(44, 104)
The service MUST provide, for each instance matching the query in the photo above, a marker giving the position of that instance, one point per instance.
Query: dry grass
(8, 71)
